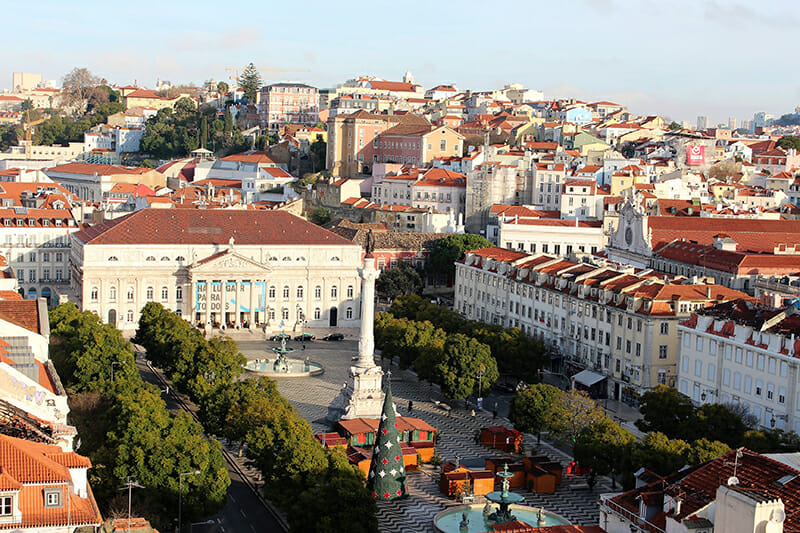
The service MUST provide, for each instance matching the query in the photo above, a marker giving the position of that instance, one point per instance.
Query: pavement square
(457, 429)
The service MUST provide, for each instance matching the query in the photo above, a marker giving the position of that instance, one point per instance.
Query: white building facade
(218, 267)
(737, 353)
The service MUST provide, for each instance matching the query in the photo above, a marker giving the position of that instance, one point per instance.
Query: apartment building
(288, 103)
(742, 353)
(614, 330)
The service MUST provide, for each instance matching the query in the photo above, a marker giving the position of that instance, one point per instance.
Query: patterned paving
(311, 397)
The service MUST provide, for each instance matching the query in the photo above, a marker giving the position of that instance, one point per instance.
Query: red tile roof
(254, 157)
(35, 466)
(214, 226)
(751, 234)
(91, 169)
(24, 313)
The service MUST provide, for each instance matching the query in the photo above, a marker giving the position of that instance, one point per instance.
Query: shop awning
(588, 378)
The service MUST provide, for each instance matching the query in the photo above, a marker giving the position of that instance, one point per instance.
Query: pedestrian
(473, 413)
(304, 346)
(410, 406)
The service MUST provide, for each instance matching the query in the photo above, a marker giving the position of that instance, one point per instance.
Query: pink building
(288, 103)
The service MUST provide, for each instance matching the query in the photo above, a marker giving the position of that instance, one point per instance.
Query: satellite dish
(733, 480)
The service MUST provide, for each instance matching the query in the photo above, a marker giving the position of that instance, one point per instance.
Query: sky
(674, 58)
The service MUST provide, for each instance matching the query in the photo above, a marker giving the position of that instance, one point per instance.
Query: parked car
(333, 337)
(305, 337)
(280, 336)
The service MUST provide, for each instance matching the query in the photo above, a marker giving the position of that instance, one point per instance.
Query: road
(244, 512)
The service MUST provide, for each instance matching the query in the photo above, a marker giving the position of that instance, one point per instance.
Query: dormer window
(6, 505)
(45, 222)
(52, 498)
(6, 221)
(31, 222)
(19, 222)
(59, 223)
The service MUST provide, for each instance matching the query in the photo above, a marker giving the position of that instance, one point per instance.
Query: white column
(366, 344)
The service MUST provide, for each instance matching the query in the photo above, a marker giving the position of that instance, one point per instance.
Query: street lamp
(481, 372)
(703, 395)
(112, 368)
(180, 493)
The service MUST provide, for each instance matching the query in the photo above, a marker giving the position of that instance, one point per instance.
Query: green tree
(406, 339)
(674, 126)
(318, 153)
(9, 136)
(603, 446)
(340, 483)
(572, 413)
(666, 410)
(456, 362)
(789, 142)
(27, 105)
(532, 409)
(714, 421)
(704, 450)
(450, 249)
(659, 453)
(399, 281)
(319, 215)
(222, 88)
(250, 82)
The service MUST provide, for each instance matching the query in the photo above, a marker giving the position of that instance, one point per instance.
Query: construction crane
(27, 126)
(264, 69)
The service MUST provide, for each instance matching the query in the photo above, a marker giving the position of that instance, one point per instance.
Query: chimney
(708, 291)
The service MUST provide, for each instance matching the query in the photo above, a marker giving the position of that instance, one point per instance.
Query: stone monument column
(362, 396)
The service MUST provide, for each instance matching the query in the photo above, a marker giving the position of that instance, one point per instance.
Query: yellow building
(148, 98)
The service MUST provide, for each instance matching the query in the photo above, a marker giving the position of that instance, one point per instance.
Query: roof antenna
(733, 480)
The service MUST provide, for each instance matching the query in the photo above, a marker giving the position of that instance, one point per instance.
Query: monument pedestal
(362, 398)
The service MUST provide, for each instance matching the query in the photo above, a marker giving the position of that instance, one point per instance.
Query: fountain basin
(296, 368)
(448, 521)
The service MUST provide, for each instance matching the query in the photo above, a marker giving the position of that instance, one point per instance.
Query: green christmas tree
(387, 474)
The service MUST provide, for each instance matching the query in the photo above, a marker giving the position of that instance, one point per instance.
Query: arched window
(130, 294)
(112, 294)
(287, 258)
(349, 292)
(285, 314)
(317, 313)
(150, 258)
(129, 316)
(334, 292)
(317, 292)
(271, 313)
(93, 294)
(271, 292)
(150, 292)
(299, 292)
(164, 294)
(334, 259)
(285, 292)
(113, 258)
(165, 258)
(179, 293)
(349, 313)
(180, 258)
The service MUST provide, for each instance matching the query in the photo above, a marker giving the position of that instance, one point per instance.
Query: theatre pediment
(227, 262)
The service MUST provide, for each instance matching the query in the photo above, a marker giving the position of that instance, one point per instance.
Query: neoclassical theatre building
(218, 267)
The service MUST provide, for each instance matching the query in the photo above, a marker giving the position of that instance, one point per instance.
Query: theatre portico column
(208, 302)
(252, 302)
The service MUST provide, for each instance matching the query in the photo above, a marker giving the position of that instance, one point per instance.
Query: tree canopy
(250, 82)
(450, 249)
(401, 280)
(789, 141)
(77, 85)
(127, 428)
(532, 409)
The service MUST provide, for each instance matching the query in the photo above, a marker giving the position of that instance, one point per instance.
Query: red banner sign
(695, 155)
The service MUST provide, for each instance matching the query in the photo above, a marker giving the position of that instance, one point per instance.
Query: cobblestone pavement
(311, 397)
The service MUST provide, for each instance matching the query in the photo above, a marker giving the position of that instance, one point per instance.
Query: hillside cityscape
(250, 304)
